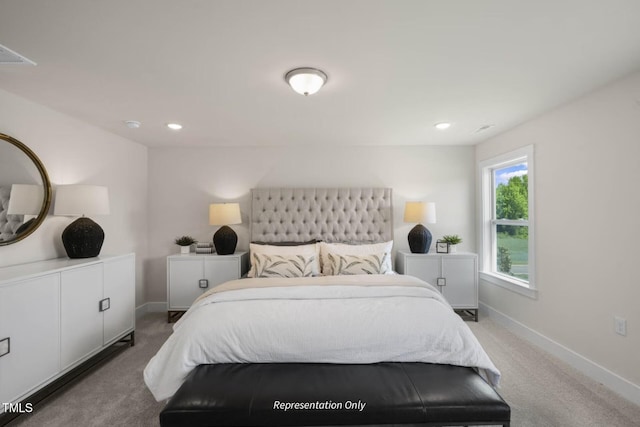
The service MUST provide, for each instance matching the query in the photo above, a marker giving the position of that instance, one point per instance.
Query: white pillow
(359, 264)
(303, 250)
(284, 265)
(345, 249)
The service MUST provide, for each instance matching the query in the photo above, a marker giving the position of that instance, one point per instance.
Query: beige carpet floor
(542, 390)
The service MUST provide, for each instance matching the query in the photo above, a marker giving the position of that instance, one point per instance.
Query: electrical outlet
(620, 325)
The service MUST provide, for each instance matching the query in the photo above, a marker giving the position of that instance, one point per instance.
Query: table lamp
(26, 200)
(225, 214)
(82, 238)
(419, 237)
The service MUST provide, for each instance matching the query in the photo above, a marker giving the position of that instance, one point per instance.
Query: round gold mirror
(25, 191)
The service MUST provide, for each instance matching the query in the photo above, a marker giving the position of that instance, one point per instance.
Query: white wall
(74, 152)
(587, 201)
(186, 180)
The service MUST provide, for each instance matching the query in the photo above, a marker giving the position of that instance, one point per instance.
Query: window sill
(512, 285)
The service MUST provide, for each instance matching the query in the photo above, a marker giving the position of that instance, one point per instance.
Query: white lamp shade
(420, 212)
(224, 214)
(306, 81)
(25, 199)
(78, 200)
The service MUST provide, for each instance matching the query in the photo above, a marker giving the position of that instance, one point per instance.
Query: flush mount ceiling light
(174, 126)
(306, 81)
(442, 125)
(483, 128)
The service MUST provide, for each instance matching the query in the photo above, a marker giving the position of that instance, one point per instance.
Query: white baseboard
(611, 380)
(150, 307)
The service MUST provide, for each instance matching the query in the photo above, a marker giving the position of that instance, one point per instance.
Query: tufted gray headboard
(8, 223)
(327, 214)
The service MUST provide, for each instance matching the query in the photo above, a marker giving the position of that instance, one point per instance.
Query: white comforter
(332, 319)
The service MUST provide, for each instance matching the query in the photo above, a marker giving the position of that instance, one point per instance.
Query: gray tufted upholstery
(327, 214)
(8, 223)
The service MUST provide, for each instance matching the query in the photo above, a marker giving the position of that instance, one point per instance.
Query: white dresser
(189, 276)
(455, 275)
(56, 314)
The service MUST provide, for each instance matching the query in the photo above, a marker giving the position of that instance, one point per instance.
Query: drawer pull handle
(203, 283)
(441, 281)
(105, 304)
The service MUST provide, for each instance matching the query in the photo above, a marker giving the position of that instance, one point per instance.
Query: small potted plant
(185, 243)
(452, 240)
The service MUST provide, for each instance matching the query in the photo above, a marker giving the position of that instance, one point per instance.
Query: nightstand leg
(173, 316)
(468, 313)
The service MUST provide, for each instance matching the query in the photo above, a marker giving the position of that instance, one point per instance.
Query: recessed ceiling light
(132, 124)
(174, 126)
(442, 125)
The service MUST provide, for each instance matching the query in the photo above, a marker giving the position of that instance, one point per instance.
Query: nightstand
(454, 275)
(189, 276)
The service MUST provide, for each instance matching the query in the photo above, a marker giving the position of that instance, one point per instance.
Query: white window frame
(487, 237)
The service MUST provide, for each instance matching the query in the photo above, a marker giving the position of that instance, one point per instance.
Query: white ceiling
(395, 67)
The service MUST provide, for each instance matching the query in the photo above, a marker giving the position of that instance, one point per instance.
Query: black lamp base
(419, 239)
(225, 240)
(83, 238)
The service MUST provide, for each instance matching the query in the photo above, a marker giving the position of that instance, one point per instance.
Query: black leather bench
(399, 394)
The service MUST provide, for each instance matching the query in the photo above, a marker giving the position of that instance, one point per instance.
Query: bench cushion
(409, 394)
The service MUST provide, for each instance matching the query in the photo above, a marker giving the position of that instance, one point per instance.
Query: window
(507, 255)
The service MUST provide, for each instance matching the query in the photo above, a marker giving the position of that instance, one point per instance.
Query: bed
(323, 323)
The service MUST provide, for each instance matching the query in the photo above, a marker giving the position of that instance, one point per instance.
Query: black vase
(225, 240)
(419, 239)
(83, 238)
